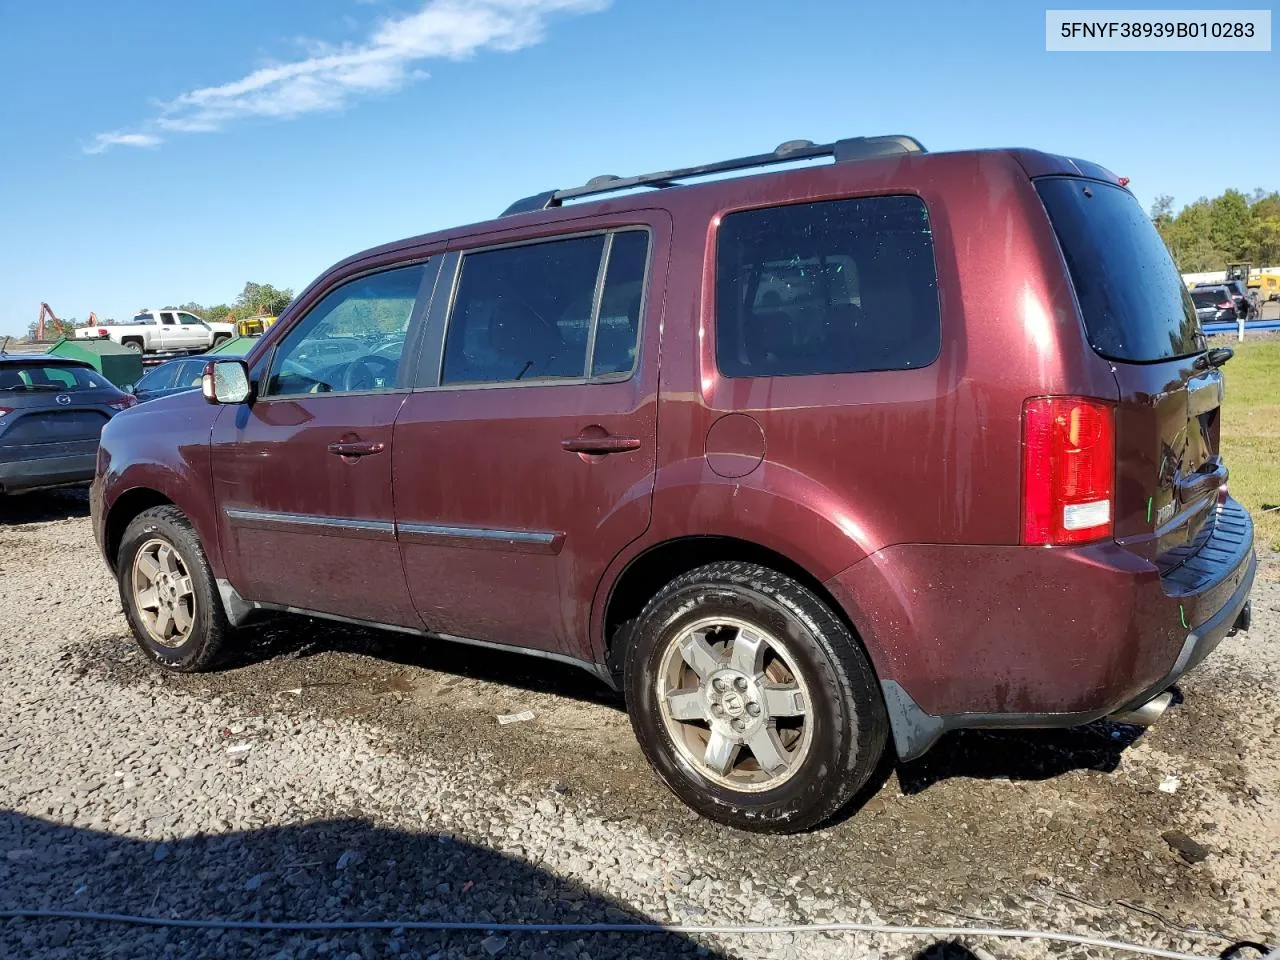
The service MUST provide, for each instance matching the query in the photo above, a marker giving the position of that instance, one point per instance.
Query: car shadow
(289, 635)
(1011, 754)
(325, 870)
(1019, 754)
(43, 506)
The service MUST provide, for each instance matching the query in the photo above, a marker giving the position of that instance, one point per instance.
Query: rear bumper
(987, 636)
(64, 466)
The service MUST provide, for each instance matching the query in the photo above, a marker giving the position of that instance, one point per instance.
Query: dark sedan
(1214, 304)
(175, 376)
(51, 413)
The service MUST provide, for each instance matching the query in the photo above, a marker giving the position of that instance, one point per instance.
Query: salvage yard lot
(334, 773)
(1251, 431)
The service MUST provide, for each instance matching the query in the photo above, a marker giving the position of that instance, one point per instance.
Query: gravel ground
(339, 774)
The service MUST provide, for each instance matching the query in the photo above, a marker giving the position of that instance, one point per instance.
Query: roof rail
(854, 148)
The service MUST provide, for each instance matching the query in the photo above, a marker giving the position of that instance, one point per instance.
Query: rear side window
(554, 310)
(841, 286)
(1134, 302)
(34, 378)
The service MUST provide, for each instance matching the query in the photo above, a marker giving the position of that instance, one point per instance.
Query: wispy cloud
(331, 77)
(104, 141)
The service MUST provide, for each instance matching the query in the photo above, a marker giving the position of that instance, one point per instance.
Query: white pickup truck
(161, 331)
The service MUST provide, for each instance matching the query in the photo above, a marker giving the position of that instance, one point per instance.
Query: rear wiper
(1214, 358)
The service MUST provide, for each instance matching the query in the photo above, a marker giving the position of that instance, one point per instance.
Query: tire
(134, 345)
(813, 667)
(205, 639)
(219, 341)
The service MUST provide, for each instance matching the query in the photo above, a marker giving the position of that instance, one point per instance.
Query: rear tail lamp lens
(1068, 470)
(123, 403)
(1225, 305)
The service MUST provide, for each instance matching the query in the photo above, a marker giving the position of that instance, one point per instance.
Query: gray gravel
(340, 775)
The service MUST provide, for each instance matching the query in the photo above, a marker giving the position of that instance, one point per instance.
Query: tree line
(256, 299)
(1230, 228)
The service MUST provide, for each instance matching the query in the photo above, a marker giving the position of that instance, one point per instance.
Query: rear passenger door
(525, 460)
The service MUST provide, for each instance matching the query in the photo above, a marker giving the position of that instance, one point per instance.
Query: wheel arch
(122, 512)
(646, 573)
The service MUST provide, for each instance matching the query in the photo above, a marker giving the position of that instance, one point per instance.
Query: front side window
(190, 320)
(352, 341)
(555, 310)
(840, 286)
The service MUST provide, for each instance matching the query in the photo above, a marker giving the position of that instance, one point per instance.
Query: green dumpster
(122, 367)
(235, 347)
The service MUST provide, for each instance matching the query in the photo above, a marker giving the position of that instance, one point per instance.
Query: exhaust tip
(1145, 715)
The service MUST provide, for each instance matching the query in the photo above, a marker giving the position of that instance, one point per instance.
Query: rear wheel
(752, 700)
(169, 593)
(134, 345)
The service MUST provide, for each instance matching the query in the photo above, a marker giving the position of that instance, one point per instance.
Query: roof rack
(854, 148)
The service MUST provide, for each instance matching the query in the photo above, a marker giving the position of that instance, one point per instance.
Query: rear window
(1208, 298)
(840, 286)
(32, 378)
(1134, 303)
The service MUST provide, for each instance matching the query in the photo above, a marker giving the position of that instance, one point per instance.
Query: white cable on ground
(648, 928)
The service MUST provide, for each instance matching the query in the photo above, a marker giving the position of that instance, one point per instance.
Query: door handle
(356, 448)
(600, 445)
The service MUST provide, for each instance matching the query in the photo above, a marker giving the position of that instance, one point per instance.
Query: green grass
(1251, 433)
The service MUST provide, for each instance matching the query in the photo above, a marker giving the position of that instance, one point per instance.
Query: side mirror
(226, 381)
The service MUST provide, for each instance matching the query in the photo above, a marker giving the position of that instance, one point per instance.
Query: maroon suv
(802, 461)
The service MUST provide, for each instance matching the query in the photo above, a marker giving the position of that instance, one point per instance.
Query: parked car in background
(173, 376)
(1214, 304)
(1239, 294)
(51, 413)
(661, 437)
(162, 331)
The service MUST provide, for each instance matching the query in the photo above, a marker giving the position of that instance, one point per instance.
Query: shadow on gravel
(1019, 754)
(43, 506)
(946, 950)
(298, 636)
(335, 870)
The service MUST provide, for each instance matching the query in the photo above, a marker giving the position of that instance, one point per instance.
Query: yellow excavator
(1267, 284)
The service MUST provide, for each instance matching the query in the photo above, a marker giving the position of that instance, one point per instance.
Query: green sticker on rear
(1149, 499)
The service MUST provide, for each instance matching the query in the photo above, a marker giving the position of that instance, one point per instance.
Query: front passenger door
(302, 474)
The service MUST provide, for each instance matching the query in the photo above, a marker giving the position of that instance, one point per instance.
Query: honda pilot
(808, 463)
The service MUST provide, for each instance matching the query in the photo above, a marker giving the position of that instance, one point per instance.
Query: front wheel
(169, 593)
(752, 700)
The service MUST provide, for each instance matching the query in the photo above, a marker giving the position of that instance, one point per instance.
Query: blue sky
(164, 152)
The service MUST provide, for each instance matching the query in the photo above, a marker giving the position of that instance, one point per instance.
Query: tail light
(123, 402)
(1226, 305)
(102, 333)
(5, 410)
(1068, 470)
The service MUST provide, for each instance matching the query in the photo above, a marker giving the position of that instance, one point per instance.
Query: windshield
(62, 379)
(1134, 303)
